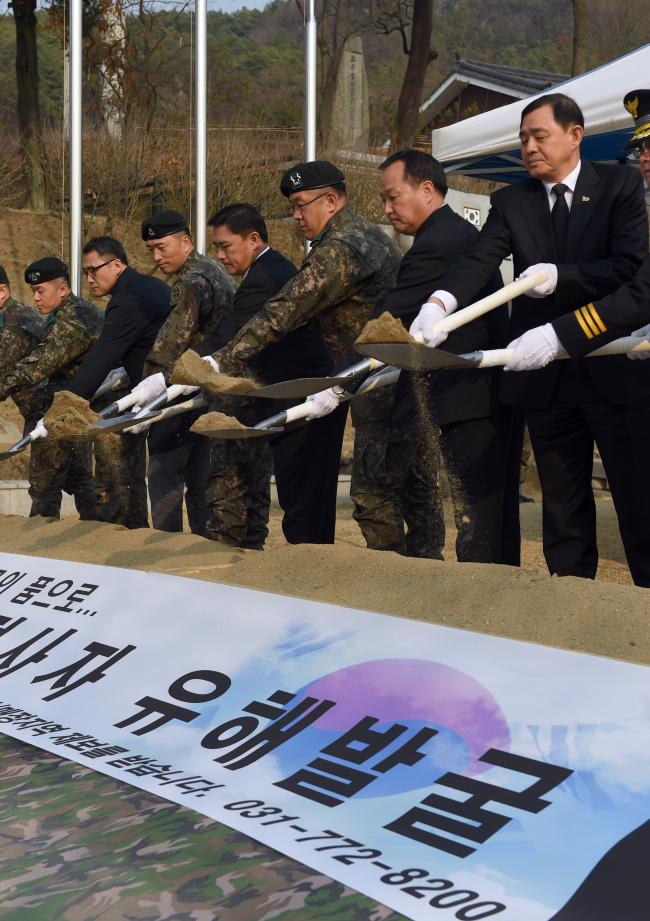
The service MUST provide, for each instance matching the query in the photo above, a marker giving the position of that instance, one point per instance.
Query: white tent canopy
(487, 145)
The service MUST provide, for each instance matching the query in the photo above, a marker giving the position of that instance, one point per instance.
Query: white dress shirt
(570, 181)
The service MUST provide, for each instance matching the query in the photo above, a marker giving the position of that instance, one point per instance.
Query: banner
(444, 773)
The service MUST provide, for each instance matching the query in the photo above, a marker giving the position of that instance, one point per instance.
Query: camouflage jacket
(341, 282)
(69, 332)
(201, 298)
(21, 329)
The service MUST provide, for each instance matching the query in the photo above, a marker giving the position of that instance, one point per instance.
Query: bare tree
(580, 41)
(413, 20)
(29, 113)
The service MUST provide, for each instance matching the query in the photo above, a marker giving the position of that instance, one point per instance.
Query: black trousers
(179, 463)
(563, 437)
(306, 463)
(481, 457)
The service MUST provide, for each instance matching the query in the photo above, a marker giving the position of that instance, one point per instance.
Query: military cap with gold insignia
(46, 269)
(164, 224)
(315, 174)
(637, 103)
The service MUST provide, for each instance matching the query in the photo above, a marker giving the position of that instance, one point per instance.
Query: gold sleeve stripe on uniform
(596, 316)
(590, 323)
(588, 333)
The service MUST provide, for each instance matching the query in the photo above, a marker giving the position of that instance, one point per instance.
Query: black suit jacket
(606, 242)
(137, 309)
(453, 395)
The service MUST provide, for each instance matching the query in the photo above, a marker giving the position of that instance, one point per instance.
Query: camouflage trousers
(239, 493)
(120, 468)
(396, 494)
(56, 466)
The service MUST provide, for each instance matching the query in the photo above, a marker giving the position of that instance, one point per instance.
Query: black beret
(316, 174)
(4, 278)
(45, 270)
(637, 103)
(163, 224)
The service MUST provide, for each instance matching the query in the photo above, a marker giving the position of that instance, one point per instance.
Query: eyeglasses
(91, 270)
(295, 206)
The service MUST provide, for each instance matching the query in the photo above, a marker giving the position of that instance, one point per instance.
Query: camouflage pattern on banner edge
(76, 845)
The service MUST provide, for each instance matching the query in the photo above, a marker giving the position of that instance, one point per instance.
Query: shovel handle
(623, 345)
(493, 358)
(180, 408)
(385, 376)
(166, 396)
(125, 402)
(491, 302)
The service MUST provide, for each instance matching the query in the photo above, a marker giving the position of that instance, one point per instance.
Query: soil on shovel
(69, 415)
(211, 421)
(386, 328)
(191, 369)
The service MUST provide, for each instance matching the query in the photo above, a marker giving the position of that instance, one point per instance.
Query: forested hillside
(256, 57)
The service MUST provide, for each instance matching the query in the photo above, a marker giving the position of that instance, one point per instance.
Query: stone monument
(350, 117)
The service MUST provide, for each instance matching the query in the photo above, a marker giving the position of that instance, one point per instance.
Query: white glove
(39, 430)
(323, 403)
(643, 333)
(149, 388)
(426, 322)
(535, 349)
(210, 360)
(547, 287)
(187, 389)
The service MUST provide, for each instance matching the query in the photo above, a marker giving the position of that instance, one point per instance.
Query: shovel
(23, 443)
(494, 358)
(416, 356)
(122, 423)
(165, 396)
(275, 424)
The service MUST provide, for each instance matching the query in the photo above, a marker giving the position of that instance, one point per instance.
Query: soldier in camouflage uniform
(201, 297)
(72, 327)
(21, 330)
(395, 481)
(340, 283)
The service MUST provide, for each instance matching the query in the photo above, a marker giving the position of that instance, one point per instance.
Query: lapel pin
(585, 198)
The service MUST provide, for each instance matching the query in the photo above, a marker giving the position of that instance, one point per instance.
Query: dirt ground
(605, 617)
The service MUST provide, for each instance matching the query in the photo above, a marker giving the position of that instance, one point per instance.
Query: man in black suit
(239, 482)
(137, 308)
(475, 428)
(586, 225)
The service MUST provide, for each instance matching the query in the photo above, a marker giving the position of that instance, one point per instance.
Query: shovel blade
(106, 426)
(239, 434)
(298, 389)
(10, 452)
(414, 356)
(24, 442)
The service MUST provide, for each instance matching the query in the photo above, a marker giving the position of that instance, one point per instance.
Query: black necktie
(560, 218)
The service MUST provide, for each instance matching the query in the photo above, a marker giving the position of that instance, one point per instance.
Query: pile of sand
(208, 422)
(69, 415)
(596, 617)
(191, 369)
(386, 328)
